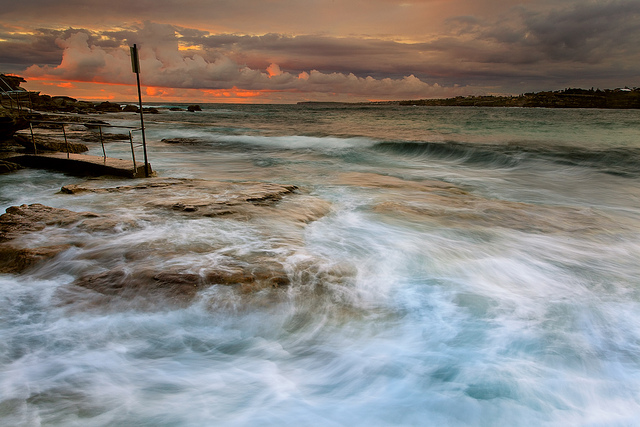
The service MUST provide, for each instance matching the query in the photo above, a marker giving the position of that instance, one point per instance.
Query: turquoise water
(475, 267)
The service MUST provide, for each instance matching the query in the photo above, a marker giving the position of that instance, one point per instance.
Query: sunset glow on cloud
(286, 51)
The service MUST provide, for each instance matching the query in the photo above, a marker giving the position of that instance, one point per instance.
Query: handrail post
(33, 140)
(133, 154)
(65, 139)
(102, 143)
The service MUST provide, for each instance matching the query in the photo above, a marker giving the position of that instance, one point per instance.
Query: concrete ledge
(82, 164)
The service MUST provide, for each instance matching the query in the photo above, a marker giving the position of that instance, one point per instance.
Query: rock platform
(82, 164)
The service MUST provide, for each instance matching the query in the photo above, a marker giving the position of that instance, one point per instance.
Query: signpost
(135, 67)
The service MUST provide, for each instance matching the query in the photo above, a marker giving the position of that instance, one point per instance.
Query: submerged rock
(6, 167)
(451, 206)
(16, 260)
(146, 288)
(187, 141)
(147, 274)
(25, 219)
(18, 220)
(212, 199)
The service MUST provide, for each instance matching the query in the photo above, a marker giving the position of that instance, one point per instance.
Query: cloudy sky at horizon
(324, 50)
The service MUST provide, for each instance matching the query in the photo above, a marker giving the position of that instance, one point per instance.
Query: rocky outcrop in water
(143, 276)
(198, 198)
(447, 205)
(21, 220)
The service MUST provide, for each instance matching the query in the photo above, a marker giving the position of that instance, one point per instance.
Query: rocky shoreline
(138, 284)
(24, 107)
(35, 238)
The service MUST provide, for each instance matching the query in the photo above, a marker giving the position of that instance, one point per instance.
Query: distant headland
(620, 98)
(568, 98)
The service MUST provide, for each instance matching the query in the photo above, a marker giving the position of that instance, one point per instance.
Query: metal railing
(90, 125)
(9, 92)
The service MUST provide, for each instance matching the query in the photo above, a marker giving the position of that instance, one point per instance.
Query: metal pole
(33, 140)
(65, 140)
(144, 140)
(133, 154)
(102, 142)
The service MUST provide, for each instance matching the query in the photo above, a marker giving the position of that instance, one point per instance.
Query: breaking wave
(617, 161)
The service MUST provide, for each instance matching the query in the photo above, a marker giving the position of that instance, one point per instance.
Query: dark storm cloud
(42, 45)
(590, 32)
(27, 49)
(584, 32)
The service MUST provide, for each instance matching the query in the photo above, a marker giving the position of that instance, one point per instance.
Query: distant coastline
(567, 98)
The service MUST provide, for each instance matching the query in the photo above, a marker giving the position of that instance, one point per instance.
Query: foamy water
(475, 267)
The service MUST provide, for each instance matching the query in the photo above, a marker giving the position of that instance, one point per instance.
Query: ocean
(468, 267)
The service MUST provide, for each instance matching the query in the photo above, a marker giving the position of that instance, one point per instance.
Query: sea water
(513, 300)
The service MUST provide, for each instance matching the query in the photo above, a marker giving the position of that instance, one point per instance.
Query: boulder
(194, 107)
(108, 107)
(130, 108)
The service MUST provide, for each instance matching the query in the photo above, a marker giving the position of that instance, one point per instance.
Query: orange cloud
(274, 70)
(154, 91)
(165, 66)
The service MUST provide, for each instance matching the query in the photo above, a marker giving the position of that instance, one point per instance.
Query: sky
(283, 51)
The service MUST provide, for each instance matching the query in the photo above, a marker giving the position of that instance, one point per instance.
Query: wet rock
(6, 167)
(148, 288)
(129, 108)
(11, 121)
(108, 107)
(94, 124)
(152, 274)
(44, 143)
(64, 102)
(73, 189)
(106, 137)
(21, 220)
(172, 284)
(186, 141)
(194, 107)
(18, 220)
(16, 260)
(214, 198)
